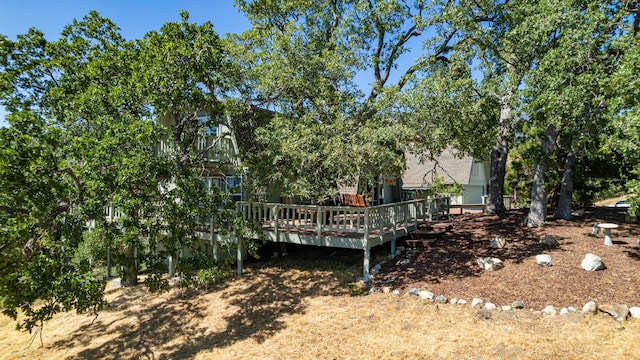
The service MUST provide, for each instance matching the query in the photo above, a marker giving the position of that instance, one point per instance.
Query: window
(234, 187)
(212, 183)
(209, 129)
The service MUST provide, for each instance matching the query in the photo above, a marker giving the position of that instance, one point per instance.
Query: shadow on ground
(454, 255)
(180, 325)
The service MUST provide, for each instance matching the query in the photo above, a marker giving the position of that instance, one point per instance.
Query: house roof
(450, 165)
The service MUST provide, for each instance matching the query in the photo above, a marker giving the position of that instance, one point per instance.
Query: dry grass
(286, 309)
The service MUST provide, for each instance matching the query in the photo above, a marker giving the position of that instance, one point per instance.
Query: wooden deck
(342, 226)
(329, 226)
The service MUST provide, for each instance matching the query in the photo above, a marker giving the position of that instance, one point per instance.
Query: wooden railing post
(320, 221)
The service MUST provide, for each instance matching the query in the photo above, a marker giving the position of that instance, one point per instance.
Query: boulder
(441, 299)
(414, 291)
(464, 302)
(549, 310)
(593, 263)
(497, 243)
(476, 302)
(425, 295)
(549, 241)
(635, 312)
(489, 263)
(544, 260)
(517, 304)
(619, 312)
(589, 308)
(490, 306)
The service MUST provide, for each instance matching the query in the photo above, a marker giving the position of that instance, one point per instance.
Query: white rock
(564, 311)
(403, 262)
(396, 292)
(589, 308)
(489, 263)
(453, 300)
(635, 312)
(441, 299)
(506, 307)
(426, 295)
(476, 302)
(549, 310)
(414, 291)
(377, 267)
(544, 260)
(462, 302)
(592, 263)
(490, 306)
(497, 243)
(571, 309)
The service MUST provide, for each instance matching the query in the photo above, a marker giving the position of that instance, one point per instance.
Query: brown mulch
(448, 266)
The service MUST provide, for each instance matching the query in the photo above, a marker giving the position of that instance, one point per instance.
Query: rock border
(620, 312)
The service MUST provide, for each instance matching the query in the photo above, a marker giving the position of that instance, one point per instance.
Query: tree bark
(538, 208)
(130, 275)
(498, 158)
(563, 211)
(498, 165)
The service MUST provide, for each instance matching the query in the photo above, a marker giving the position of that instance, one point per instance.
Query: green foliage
(440, 187)
(305, 59)
(202, 271)
(82, 140)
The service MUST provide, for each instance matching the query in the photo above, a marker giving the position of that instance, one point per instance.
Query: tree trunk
(498, 165)
(563, 211)
(130, 275)
(498, 158)
(538, 208)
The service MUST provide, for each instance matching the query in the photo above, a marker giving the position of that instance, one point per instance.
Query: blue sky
(134, 17)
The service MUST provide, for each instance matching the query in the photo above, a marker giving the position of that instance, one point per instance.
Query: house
(220, 153)
(451, 167)
(348, 227)
(454, 168)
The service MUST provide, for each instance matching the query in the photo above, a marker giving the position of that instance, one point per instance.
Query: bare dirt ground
(449, 267)
(302, 306)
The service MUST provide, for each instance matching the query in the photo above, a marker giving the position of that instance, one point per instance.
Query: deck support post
(275, 216)
(365, 264)
(395, 231)
(366, 248)
(214, 242)
(320, 222)
(239, 255)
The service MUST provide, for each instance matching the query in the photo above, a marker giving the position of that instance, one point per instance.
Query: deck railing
(317, 218)
(219, 148)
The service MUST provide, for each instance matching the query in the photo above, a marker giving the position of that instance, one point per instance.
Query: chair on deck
(353, 200)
